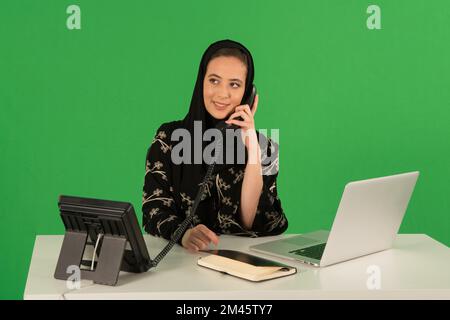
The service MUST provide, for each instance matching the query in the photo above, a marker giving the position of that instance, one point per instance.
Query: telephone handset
(250, 100)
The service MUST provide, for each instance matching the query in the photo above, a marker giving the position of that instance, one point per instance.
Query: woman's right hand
(199, 238)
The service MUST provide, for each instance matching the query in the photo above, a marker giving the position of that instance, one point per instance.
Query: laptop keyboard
(314, 252)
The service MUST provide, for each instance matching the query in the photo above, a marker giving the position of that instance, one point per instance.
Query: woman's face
(224, 86)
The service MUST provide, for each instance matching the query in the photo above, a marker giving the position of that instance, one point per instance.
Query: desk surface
(415, 268)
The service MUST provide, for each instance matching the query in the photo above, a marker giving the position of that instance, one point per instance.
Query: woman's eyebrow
(215, 75)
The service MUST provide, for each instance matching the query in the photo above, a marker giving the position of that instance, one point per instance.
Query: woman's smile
(220, 106)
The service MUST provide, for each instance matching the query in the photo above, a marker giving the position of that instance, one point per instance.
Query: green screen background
(80, 107)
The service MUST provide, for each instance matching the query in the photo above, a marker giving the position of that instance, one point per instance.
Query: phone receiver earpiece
(251, 99)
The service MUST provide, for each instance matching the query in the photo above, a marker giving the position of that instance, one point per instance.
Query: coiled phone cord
(182, 228)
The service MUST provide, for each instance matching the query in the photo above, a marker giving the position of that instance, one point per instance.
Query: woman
(241, 199)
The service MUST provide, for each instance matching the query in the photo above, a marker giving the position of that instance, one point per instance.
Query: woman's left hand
(248, 122)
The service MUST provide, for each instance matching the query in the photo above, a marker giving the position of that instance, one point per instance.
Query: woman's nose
(223, 92)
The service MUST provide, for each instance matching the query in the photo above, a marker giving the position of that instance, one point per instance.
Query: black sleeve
(270, 218)
(160, 215)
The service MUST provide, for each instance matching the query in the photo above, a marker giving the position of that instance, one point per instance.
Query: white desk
(416, 268)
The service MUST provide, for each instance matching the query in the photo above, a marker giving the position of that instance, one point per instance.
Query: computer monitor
(112, 228)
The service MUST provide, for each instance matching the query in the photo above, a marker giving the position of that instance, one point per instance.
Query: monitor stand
(109, 261)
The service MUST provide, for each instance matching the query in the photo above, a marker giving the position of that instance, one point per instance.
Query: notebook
(245, 266)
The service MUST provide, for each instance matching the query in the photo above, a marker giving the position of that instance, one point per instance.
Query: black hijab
(187, 177)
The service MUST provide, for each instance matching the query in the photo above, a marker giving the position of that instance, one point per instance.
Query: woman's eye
(213, 81)
(235, 85)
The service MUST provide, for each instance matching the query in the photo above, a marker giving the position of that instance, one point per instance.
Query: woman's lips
(220, 106)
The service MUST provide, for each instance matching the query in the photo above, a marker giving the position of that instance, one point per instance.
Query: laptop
(367, 221)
